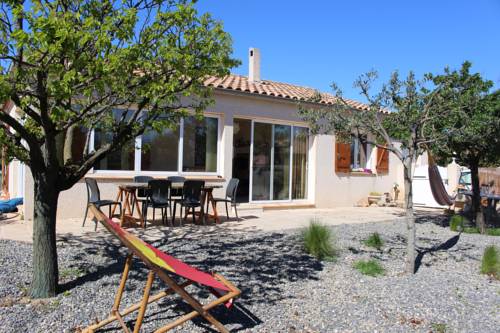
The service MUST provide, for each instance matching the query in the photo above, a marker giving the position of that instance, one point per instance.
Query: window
(192, 147)
(359, 153)
(160, 151)
(200, 145)
(121, 159)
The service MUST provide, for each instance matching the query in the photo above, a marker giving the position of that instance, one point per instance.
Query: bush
(491, 262)
(471, 230)
(369, 267)
(374, 241)
(318, 241)
(457, 223)
(493, 231)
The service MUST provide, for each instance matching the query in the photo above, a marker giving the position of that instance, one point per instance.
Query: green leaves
(473, 118)
(72, 63)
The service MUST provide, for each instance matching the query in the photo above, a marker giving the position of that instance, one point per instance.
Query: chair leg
(173, 215)
(85, 216)
(236, 212)
(133, 205)
(194, 216)
(227, 211)
(154, 209)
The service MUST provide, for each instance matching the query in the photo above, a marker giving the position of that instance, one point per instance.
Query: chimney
(254, 65)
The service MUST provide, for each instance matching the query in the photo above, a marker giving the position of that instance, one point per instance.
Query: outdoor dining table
(128, 197)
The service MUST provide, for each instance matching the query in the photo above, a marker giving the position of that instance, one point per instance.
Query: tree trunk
(477, 211)
(410, 220)
(45, 269)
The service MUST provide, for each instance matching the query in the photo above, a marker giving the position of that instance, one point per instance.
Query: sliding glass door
(262, 154)
(279, 162)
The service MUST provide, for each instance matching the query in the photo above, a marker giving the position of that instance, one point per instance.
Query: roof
(275, 89)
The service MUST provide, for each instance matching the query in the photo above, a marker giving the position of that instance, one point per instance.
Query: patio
(13, 228)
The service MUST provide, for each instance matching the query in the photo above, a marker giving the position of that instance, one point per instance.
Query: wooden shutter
(342, 157)
(382, 160)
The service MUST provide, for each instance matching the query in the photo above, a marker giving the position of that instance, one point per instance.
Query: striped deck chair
(161, 265)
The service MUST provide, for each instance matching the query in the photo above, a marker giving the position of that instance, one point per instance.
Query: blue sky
(313, 43)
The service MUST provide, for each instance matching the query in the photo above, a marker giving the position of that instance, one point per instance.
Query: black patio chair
(159, 195)
(175, 193)
(231, 189)
(94, 197)
(191, 198)
(142, 194)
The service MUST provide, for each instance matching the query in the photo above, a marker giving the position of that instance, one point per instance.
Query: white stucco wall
(326, 188)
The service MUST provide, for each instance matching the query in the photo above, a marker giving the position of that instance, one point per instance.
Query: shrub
(457, 223)
(374, 240)
(438, 327)
(318, 241)
(369, 267)
(471, 230)
(491, 262)
(493, 231)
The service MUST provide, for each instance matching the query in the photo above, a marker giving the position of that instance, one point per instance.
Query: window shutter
(342, 157)
(382, 160)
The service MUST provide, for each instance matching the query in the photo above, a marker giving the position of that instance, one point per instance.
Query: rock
(362, 203)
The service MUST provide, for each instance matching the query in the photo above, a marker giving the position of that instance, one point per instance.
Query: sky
(314, 43)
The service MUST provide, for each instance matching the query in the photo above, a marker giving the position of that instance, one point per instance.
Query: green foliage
(490, 263)
(457, 223)
(89, 57)
(374, 240)
(369, 267)
(493, 231)
(318, 241)
(471, 230)
(438, 328)
(473, 120)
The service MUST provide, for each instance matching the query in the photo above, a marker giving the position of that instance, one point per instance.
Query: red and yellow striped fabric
(163, 260)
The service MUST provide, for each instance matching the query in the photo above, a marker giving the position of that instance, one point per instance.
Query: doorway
(270, 160)
(242, 129)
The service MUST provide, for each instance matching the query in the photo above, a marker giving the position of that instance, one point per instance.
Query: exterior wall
(344, 189)
(325, 188)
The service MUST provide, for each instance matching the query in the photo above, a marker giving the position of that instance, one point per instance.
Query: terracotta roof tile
(275, 89)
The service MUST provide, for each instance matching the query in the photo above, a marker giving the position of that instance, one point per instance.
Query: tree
(474, 116)
(67, 65)
(398, 119)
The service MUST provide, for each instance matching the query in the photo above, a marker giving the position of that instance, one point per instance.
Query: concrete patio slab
(13, 228)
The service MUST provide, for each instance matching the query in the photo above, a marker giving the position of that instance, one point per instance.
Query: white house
(253, 133)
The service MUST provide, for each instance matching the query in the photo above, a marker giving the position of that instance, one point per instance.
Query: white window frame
(138, 155)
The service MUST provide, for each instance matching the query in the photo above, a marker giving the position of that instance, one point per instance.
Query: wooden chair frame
(174, 288)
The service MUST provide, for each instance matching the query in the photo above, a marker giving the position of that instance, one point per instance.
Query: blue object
(9, 206)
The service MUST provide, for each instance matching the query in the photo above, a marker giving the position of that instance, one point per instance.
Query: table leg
(118, 199)
(139, 211)
(214, 207)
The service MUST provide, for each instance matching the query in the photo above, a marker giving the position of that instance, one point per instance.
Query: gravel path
(284, 290)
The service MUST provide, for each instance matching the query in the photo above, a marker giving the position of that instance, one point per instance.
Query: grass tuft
(490, 263)
(438, 328)
(369, 267)
(318, 241)
(493, 231)
(457, 223)
(374, 240)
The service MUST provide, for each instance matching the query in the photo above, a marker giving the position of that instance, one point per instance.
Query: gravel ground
(284, 290)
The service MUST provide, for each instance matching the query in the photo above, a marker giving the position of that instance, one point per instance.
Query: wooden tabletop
(135, 186)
